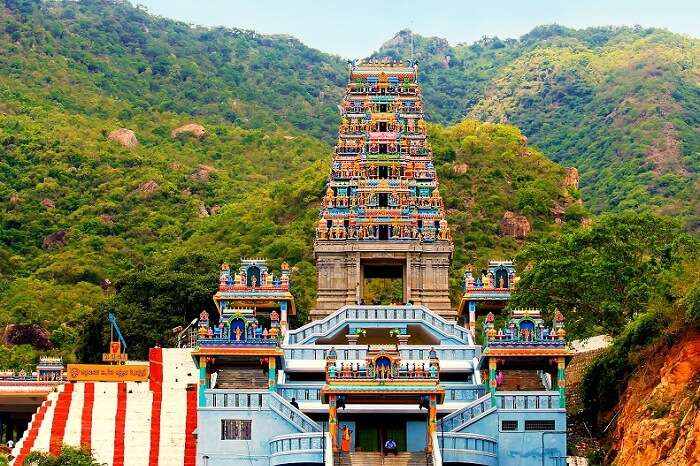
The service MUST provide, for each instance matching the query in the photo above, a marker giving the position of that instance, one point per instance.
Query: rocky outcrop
(659, 412)
(13, 199)
(459, 168)
(55, 240)
(32, 334)
(48, 203)
(571, 179)
(202, 211)
(202, 173)
(192, 129)
(124, 136)
(515, 226)
(148, 188)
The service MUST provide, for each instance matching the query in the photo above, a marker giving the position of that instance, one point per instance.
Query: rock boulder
(202, 173)
(193, 129)
(124, 136)
(515, 226)
(571, 179)
(55, 240)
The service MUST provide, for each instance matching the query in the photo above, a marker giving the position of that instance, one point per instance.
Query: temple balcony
(247, 343)
(449, 331)
(467, 448)
(304, 447)
(452, 357)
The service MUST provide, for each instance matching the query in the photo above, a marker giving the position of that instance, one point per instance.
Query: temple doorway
(372, 435)
(383, 283)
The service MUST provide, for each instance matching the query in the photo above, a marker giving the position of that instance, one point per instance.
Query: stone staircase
(521, 380)
(241, 377)
(358, 458)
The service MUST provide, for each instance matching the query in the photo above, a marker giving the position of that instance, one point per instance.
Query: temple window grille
(539, 425)
(236, 429)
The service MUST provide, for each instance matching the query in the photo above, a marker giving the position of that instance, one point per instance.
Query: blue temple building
(361, 377)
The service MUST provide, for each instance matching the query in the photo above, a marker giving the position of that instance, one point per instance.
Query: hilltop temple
(373, 369)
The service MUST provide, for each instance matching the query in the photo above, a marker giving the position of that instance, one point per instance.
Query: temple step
(241, 377)
(404, 458)
(521, 380)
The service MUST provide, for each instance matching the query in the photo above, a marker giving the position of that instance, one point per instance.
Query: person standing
(345, 443)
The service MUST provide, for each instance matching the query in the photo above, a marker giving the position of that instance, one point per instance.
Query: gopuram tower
(382, 215)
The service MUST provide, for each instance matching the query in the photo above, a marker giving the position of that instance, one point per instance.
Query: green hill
(87, 224)
(620, 104)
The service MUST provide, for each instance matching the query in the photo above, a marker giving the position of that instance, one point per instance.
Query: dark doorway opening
(382, 107)
(382, 126)
(383, 199)
(382, 148)
(383, 283)
(383, 172)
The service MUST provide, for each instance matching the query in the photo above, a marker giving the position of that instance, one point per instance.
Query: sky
(355, 29)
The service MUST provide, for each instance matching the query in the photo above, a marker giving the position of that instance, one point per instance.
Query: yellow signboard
(115, 357)
(107, 373)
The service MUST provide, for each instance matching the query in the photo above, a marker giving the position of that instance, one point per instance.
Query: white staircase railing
(323, 327)
(460, 417)
(259, 399)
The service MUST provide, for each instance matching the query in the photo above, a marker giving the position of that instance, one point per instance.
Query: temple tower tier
(382, 216)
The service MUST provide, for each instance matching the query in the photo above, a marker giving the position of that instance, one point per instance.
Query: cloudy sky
(354, 29)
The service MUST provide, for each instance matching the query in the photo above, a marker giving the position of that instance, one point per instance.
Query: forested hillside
(140, 226)
(620, 104)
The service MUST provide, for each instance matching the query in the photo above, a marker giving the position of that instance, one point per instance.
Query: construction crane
(117, 348)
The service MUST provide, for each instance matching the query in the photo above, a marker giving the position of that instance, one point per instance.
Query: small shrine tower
(382, 215)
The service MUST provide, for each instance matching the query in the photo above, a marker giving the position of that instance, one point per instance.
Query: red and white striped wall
(124, 424)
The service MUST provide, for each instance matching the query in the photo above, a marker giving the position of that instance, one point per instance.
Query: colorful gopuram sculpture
(238, 341)
(490, 291)
(382, 194)
(526, 342)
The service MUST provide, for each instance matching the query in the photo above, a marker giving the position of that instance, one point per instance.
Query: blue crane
(115, 328)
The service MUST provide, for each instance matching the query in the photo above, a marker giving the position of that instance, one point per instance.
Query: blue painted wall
(266, 424)
(416, 435)
(531, 448)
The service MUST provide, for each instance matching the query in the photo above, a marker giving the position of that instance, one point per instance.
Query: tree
(601, 276)
(152, 301)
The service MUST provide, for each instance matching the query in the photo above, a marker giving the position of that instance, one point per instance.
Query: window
(235, 429)
(539, 425)
(509, 425)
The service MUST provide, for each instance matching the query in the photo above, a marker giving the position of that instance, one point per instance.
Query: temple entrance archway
(383, 282)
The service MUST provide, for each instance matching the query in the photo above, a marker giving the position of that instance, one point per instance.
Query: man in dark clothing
(294, 403)
(390, 447)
